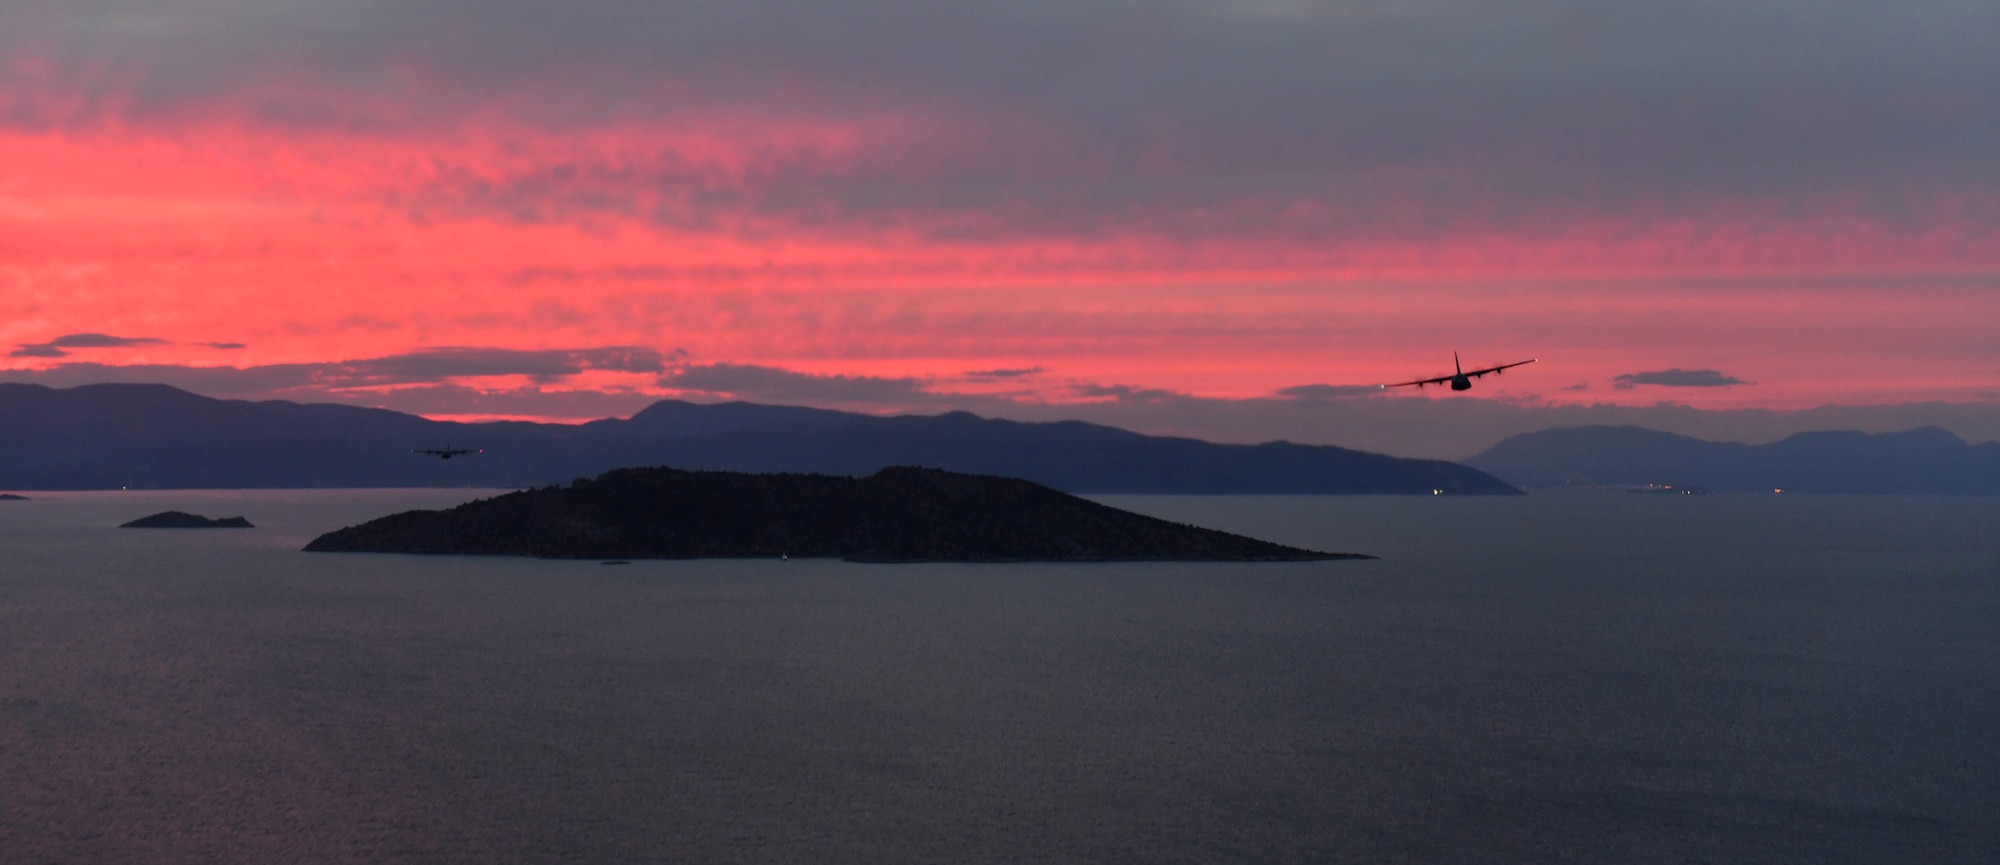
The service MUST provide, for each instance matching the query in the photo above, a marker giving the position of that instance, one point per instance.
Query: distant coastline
(143, 436)
(1922, 461)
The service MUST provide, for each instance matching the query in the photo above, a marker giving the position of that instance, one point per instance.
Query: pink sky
(824, 226)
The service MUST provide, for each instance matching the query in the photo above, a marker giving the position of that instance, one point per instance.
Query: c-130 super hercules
(447, 452)
(1460, 380)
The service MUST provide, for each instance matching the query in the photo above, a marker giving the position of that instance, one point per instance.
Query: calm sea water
(1560, 678)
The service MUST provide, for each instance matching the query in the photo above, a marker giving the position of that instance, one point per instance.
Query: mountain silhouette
(185, 520)
(154, 436)
(1926, 460)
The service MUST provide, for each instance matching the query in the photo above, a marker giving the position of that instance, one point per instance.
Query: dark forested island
(148, 436)
(898, 514)
(185, 520)
(10, 497)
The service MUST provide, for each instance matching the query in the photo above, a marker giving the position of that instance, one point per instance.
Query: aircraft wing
(1475, 373)
(1421, 382)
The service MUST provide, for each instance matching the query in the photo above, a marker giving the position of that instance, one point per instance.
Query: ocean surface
(1576, 677)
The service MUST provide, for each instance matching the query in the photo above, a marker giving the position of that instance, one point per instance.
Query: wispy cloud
(1314, 392)
(1001, 374)
(1128, 394)
(444, 363)
(1676, 378)
(765, 383)
(57, 347)
(349, 380)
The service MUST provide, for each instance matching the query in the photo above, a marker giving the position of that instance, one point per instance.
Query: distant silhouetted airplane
(447, 452)
(1460, 380)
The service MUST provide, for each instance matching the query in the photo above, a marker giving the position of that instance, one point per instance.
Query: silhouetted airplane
(447, 452)
(1460, 380)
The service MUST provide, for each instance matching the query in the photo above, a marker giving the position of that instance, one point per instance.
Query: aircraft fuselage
(1459, 378)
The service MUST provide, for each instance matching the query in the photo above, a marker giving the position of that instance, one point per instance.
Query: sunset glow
(700, 225)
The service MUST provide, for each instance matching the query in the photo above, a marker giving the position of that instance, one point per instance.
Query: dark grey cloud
(1308, 392)
(434, 366)
(765, 383)
(437, 364)
(102, 340)
(1676, 378)
(1128, 394)
(1001, 374)
(1198, 117)
(226, 346)
(57, 347)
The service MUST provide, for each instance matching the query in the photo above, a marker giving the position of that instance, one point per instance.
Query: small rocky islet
(185, 520)
(899, 514)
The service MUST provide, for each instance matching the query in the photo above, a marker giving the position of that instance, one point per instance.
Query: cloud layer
(1118, 203)
(1675, 378)
(58, 347)
(773, 385)
(1187, 119)
(371, 379)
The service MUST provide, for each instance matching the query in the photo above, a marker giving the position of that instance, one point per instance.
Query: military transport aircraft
(447, 452)
(1460, 380)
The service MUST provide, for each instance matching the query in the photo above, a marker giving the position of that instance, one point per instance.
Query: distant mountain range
(1927, 460)
(154, 436)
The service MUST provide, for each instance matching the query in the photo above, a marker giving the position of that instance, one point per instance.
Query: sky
(1232, 220)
